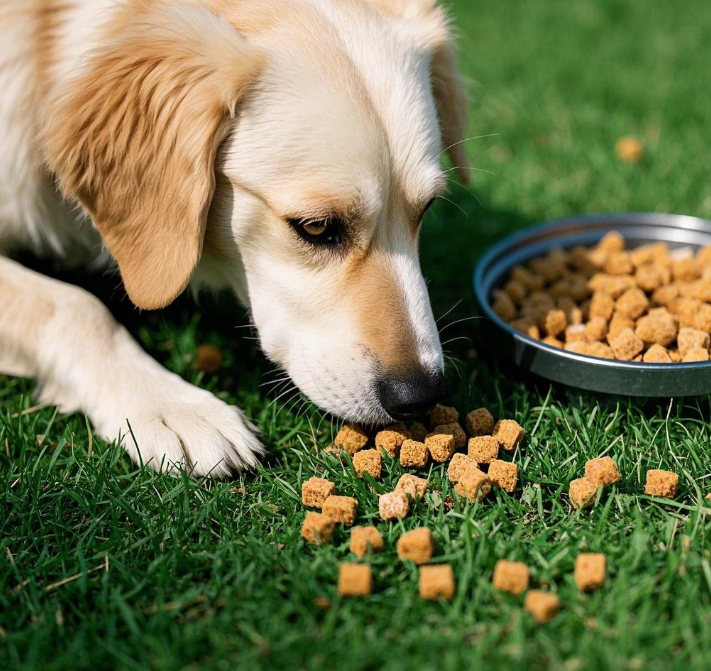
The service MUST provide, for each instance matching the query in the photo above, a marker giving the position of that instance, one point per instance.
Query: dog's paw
(176, 424)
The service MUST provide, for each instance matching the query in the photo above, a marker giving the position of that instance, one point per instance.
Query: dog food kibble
(355, 580)
(363, 538)
(418, 432)
(414, 454)
(443, 414)
(504, 306)
(440, 446)
(351, 438)
(509, 434)
(661, 483)
(437, 582)
(368, 461)
(543, 606)
(415, 545)
(647, 304)
(480, 422)
(582, 493)
(393, 505)
(208, 359)
(390, 441)
(454, 430)
(503, 474)
(459, 465)
(413, 486)
(483, 449)
(602, 471)
(341, 509)
(473, 485)
(589, 571)
(511, 577)
(317, 528)
(315, 491)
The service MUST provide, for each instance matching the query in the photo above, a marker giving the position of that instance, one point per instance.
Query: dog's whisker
(459, 207)
(468, 139)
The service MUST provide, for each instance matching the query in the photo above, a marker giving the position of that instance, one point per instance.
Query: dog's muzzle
(410, 395)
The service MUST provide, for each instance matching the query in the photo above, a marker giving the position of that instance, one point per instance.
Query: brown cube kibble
(504, 475)
(459, 465)
(595, 329)
(503, 306)
(583, 493)
(554, 322)
(418, 432)
(675, 355)
(656, 354)
(415, 545)
(661, 483)
(509, 433)
(355, 579)
(390, 441)
(612, 285)
(413, 486)
(443, 414)
(414, 454)
(399, 427)
(702, 319)
(626, 345)
(601, 305)
(658, 327)
(685, 270)
(653, 252)
(611, 242)
(363, 538)
(440, 446)
(632, 303)
(695, 354)
(685, 310)
(573, 313)
(480, 422)
(511, 577)
(473, 485)
(341, 509)
(552, 342)
(351, 438)
(543, 606)
(575, 333)
(590, 571)
(454, 430)
(393, 505)
(618, 263)
(600, 350)
(602, 471)
(315, 491)
(689, 338)
(317, 528)
(530, 280)
(483, 449)
(437, 582)
(368, 461)
(649, 277)
(516, 291)
(618, 323)
(527, 327)
(665, 294)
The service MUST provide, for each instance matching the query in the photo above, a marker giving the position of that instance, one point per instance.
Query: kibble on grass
(364, 538)
(351, 438)
(443, 414)
(317, 528)
(503, 474)
(418, 432)
(368, 461)
(414, 454)
(474, 485)
(454, 430)
(440, 446)
(459, 465)
(661, 483)
(590, 571)
(480, 422)
(543, 606)
(393, 505)
(315, 491)
(509, 433)
(511, 577)
(413, 486)
(582, 493)
(415, 545)
(390, 441)
(341, 509)
(483, 449)
(436, 582)
(602, 471)
(355, 579)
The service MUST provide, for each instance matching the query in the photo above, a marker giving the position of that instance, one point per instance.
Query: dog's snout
(410, 395)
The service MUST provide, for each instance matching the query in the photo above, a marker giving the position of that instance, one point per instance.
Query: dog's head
(287, 149)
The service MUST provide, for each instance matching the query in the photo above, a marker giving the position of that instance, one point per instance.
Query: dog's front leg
(84, 360)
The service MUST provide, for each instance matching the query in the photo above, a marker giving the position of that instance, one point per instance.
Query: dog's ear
(431, 25)
(134, 137)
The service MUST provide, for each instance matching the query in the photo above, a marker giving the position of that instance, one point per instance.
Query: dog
(284, 149)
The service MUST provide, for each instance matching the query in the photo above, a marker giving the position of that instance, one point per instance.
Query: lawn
(106, 566)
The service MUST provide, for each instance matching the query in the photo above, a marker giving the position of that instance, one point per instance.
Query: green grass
(178, 574)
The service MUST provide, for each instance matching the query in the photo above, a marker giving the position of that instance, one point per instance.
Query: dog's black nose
(410, 395)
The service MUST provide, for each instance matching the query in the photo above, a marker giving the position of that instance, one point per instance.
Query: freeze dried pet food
(595, 329)
(341, 509)
(656, 354)
(483, 449)
(602, 471)
(503, 474)
(418, 432)
(473, 485)
(393, 505)
(454, 430)
(355, 579)
(690, 338)
(459, 465)
(661, 483)
(590, 571)
(443, 414)
(436, 582)
(390, 441)
(695, 354)
(582, 493)
(351, 438)
(503, 305)
(440, 446)
(543, 606)
(368, 461)
(414, 454)
(317, 528)
(511, 577)
(480, 422)
(413, 486)
(509, 433)
(315, 491)
(415, 545)
(658, 327)
(363, 538)
(626, 344)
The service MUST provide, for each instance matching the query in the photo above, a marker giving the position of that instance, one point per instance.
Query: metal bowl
(577, 370)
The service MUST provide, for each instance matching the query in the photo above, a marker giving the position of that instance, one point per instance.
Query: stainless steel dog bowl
(576, 370)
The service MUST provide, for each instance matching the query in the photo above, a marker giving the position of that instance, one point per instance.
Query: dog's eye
(316, 227)
(328, 232)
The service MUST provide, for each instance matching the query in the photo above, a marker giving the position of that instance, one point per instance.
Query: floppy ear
(431, 25)
(134, 138)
